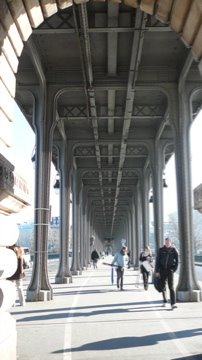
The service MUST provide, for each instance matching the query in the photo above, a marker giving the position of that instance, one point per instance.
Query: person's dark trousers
(95, 263)
(168, 275)
(145, 276)
(120, 272)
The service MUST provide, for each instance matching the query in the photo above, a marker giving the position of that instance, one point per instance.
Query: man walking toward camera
(166, 265)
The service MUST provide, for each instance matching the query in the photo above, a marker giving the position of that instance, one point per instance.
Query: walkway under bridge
(91, 318)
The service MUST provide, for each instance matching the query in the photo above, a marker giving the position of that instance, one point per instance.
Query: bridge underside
(111, 91)
(110, 66)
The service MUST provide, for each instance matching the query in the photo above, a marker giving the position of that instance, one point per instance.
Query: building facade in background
(26, 236)
(14, 190)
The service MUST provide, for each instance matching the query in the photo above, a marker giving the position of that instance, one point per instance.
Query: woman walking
(19, 274)
(146, 266)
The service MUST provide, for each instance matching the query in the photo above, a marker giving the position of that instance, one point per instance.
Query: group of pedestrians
(165, 265)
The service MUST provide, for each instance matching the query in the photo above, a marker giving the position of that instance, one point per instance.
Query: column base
(189, 296)
(63, 279)
(76, 272)
(42, 295)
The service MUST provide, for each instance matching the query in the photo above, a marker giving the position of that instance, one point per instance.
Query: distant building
(26, 235)
(14, 191)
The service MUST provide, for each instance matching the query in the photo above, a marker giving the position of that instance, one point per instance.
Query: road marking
(68, 323)
(177, 342)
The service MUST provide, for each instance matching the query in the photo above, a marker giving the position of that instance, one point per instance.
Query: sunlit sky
(23, 144)
(196, 151)
(170, 196)
(22, 150)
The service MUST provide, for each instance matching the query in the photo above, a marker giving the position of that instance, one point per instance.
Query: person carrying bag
(146, 265)
(166, 265)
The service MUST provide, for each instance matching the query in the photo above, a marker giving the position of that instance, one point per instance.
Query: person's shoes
(121, 289)
(173, 306)
(146, 286)
(118, 285)
(164, 304)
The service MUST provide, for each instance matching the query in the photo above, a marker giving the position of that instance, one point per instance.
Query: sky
(196, 150)
(170, 195)
(23, 147)
(23, 144)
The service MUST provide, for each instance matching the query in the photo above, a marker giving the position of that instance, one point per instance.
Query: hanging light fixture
(164, 181)
(56, 186)
(33, 156)
(151, 197)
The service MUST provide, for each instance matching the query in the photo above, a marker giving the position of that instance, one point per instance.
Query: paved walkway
(92, 319)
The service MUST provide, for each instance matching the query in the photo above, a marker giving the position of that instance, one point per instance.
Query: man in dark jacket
(166, 265)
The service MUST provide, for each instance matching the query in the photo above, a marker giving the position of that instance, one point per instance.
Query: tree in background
(197, 221)
(171, 230)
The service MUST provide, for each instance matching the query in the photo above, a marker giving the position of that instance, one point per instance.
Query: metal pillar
(81, 230)
(133, 241)
(64, 275)
(75, 268)
(85, 233)
(145, 207)
(88, 235)
(188, 289)
(157, 162)
(129, 228)
(39, 288)
(138, 225)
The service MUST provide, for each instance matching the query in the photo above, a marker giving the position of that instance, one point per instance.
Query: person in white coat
(146, 265)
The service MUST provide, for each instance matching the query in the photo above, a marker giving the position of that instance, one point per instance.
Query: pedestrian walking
(166, 265)
(146, 266)
(94, 258)
(120, 259)
(17, 278)
(128, 253)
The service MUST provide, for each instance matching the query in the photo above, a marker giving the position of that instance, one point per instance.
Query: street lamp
(33, 157)
(151, 197)
(165, 185)
(164, 181)
(56, 185)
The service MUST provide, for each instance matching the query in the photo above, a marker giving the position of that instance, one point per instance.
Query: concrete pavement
(92, 319)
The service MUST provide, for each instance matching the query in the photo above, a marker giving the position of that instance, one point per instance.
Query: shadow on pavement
(129, 342)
